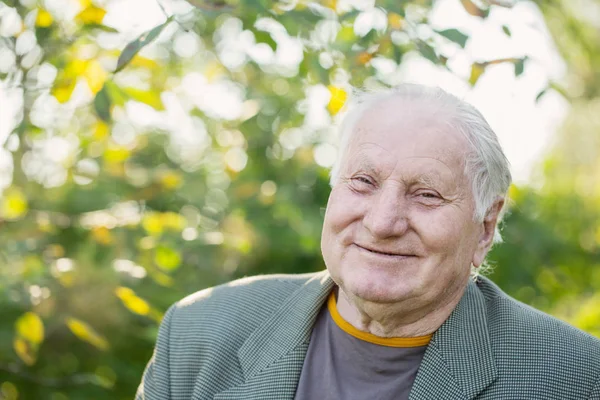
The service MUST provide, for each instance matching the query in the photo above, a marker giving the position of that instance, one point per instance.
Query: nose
(387, 215)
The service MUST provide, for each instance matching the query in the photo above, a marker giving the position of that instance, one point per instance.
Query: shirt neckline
(345, 326)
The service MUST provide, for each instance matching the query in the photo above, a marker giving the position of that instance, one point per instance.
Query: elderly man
(398, 314)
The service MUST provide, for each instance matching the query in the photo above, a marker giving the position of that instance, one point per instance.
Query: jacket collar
(457, 364)
(273, 355)
(290, 326)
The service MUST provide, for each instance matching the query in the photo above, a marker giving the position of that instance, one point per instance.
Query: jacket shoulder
(538, 340)
(250, 298)
(204, 331)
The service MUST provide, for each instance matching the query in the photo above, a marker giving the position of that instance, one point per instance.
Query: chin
(378, 288)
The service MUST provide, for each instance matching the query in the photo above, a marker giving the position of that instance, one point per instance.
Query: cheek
(342, 210)
(443, 231)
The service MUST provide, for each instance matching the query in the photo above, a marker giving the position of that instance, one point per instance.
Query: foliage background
(122, 192)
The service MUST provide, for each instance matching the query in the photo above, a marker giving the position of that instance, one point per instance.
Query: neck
(402, 319)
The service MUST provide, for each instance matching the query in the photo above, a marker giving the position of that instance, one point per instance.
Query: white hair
(486, 166)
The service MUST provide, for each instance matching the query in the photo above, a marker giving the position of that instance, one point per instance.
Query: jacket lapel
(458, 363)
(273, 356)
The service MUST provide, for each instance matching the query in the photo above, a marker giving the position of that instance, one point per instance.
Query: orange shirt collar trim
(369, 337)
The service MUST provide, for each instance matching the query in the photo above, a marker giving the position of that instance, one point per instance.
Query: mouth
(383, 253)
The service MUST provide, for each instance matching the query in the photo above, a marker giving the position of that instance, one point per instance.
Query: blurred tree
(555, 229)
(193, 156)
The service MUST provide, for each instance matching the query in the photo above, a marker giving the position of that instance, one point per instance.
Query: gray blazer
(247, 340)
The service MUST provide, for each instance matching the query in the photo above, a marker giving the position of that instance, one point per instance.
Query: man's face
(399, 221)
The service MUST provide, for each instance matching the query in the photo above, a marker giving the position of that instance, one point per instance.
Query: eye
(362, 183)
(429, 195)
(362, 179)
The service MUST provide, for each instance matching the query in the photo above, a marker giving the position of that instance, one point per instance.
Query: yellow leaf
(91, 15)
(13, 204)
(86, 333)
(134, 303)
(106, 377)
(476, 70)
(346, 34)
(101, 130)
(25, 351)
(62, 90)
(330, 4)
(587, 316)
(152, 223)
(515, 193)
(76, 67)
(30, 327)
(95, 76)
(364, 57)
(44, 18)
(66, 279)
(150, 97)
(161, 278)
(116, 154)
(213, 71)
(173, 221)
(170, 180)
(8, 391)
(246, 190)
(33, 266)
(395, 20)
(337, 100)
(102, 235)
(54, 251)
(167, 258)
(143, 62)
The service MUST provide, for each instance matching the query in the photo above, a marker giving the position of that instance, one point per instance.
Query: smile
(382, 252)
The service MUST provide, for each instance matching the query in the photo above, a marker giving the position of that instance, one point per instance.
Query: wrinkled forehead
(399, 128)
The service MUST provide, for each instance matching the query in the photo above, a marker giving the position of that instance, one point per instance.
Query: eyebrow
(429, 179)
(363, 163)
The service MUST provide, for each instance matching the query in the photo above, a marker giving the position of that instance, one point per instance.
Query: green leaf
(398, 54)
(117, 96)
(455, 36)
(207, 5)
(134, 47)
(428, 52)
(541, 94)
(560, 89)
(298, 22)
(102, 103)
(100, 27)
(265, 37)
(349, 16)
(519, 66)
(506, 30)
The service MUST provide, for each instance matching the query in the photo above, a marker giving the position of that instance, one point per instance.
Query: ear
(488, 229)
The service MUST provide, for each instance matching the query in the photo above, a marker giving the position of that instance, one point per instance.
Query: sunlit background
(133, 176)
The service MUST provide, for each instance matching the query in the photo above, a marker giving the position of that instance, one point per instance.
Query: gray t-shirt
(343, 363)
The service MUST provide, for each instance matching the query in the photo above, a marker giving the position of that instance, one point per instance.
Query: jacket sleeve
(155, 383)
